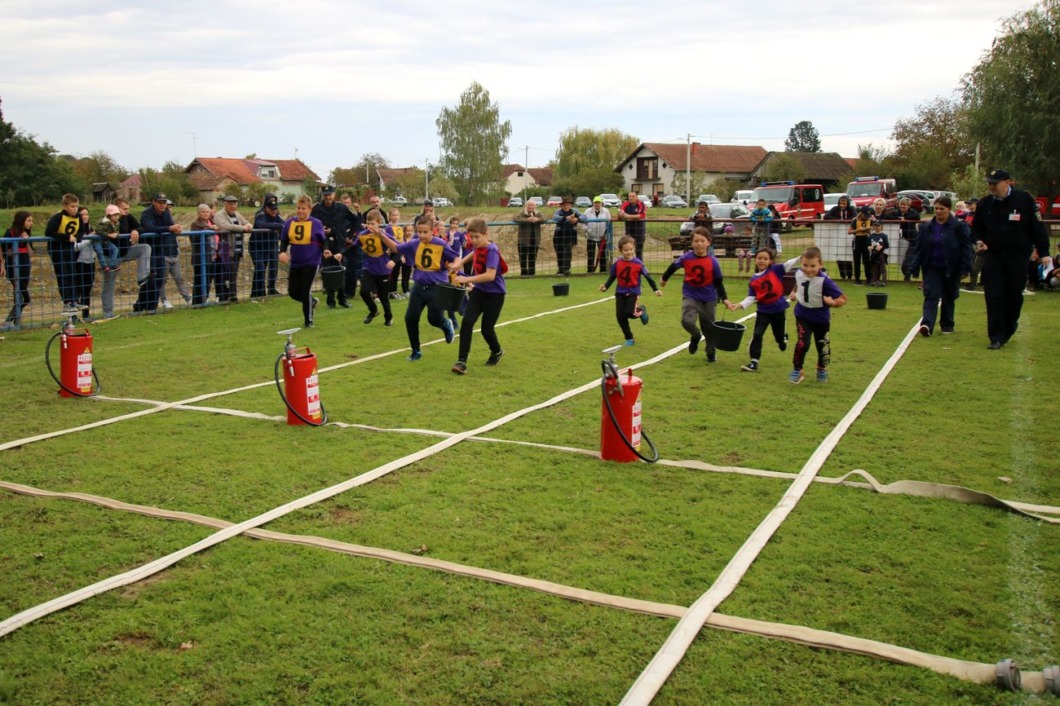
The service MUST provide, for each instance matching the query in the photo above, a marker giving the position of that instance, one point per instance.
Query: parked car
(536, 199)
(673, 201)
(399, 201)
(441, 202)
(515, 202)
(920, 199)
(556, 201)
(583, 202)
(644, 199)
(744, 196)
(734, 211)
(611, 200)
(709, 198)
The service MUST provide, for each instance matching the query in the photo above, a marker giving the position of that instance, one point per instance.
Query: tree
(1012, 98)
(364, 172)
(803, 138)
(591, 149)
(173, 181)
(474, 144)
(30, 172)
(99, 167)
(589, 182)
(784, 167)
(932, 145)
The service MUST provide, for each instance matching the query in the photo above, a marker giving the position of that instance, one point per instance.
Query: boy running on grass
(815, 293)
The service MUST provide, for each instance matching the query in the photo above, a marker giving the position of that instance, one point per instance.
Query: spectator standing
(63, 230)
(157, 220)
(265, 247)
(232, 226)
(909, 227)
(565, 236)
(633, 212)
(16, 263)
(597, 220)
(529, 239)
(205, 257)
(842, 211)
(1007, 227)
(860, 228)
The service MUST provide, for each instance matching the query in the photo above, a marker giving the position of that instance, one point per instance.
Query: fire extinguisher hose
(295, 412)
(610, 371)
(51, 371)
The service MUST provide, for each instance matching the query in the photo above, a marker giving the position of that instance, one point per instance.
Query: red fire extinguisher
(76, 375)
(301, 384)
(621, 416)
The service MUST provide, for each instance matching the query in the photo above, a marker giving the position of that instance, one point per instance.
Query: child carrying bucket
(702, 287)
(766, 287)
(487, 294)
(629, 270)
(430, 257)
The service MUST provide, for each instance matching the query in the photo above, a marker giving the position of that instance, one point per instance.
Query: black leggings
(820, 334)
(380, 285)
(489, 305)
(861, 255)
(764, 321)
(625, 305)
(299, 284)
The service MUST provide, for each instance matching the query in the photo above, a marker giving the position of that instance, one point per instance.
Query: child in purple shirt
(429, 257)
(304, 235)
(767, 288)
(487, 293)
(628, 270)
(377, 243)
(814, 294)
(702, 287)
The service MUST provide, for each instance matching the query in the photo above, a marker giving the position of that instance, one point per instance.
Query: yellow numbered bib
(301, 232)
(69, 226)
(372, 245)
(429, 257)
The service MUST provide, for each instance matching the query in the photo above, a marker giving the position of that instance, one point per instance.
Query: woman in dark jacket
(842, 211)
(943, 251)
(16, 264)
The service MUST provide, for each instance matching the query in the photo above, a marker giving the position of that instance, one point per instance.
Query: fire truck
(793, 201)
(866, 189)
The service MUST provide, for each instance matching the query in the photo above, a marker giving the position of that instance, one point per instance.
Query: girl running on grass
(629, 270)
(766, 287)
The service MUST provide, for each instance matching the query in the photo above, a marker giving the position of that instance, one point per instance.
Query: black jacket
(1010, 225)
(835, 214)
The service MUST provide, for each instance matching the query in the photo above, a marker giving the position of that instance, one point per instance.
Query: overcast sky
(328, 81)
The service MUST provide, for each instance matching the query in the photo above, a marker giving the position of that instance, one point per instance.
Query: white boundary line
(673, 650)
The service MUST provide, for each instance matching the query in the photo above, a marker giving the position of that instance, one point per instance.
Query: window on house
(647, 168)
(268, 173)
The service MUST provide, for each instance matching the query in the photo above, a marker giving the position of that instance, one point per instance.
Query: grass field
(257, 621)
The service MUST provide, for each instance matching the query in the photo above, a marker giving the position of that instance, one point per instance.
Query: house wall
(515, 183)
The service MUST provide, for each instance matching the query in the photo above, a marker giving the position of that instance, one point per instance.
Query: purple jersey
(767, 288)
(306, 240)
(376, 254)
(428, 259)
(701, 273)
(811, 293)
(488, 258)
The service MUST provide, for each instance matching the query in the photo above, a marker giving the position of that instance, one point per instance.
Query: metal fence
(662, 242)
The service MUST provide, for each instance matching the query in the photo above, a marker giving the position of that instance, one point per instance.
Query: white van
(744, 196)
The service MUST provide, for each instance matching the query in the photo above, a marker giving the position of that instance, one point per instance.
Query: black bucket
(561, 289)
(333, 277)
(876, 300)
(449, 297)
(727, 335)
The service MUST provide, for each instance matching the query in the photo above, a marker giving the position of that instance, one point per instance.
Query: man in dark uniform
(1006, 228)
(265, 247)
(337, 220)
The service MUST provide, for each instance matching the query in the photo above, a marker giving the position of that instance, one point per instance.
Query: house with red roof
(651, 168)
(517, 177)
(216, 176)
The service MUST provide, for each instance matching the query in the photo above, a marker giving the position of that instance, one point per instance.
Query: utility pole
(688, 168)
(194, 146)
(526, 171)
(426, 178)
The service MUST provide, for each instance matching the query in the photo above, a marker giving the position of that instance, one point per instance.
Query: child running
(628, 270)
(429, 257)
(487, 294)
(700, 292)
(377, 243)
(305, 237)
(815, 293)
(767, 288)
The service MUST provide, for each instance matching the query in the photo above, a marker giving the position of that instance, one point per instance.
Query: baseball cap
(271, 201)
(112, 210)
(159, 197)
(428, 202)
(598, 199)
(328, 189)
(997, 175)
